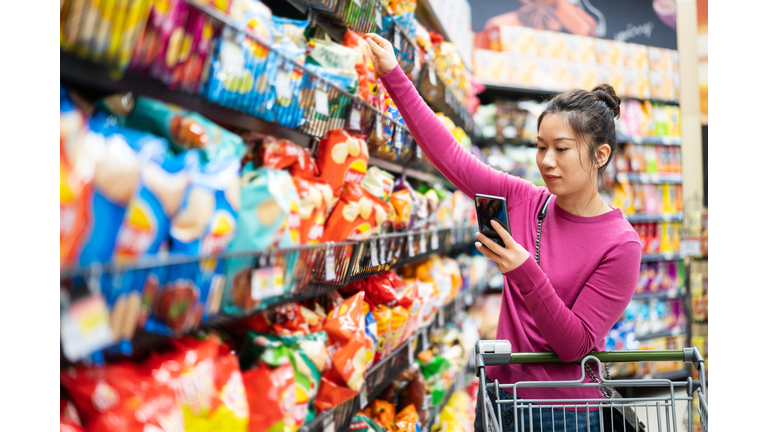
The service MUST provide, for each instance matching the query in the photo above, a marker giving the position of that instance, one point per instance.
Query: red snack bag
(331, 394)
(358, 215)
(347, 342)
(383, 316)
(73, 209)
(283, 154)
(69, 420)
(367, 78)
(271, 397)
(315, 205)
(342, 159)
(411, 301)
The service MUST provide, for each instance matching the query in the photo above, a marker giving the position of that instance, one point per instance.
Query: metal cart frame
(499, 353)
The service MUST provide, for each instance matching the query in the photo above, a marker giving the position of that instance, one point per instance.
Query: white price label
(389, 253)
(448, 100)
(435, 240)
(85, 327)
(383, 251)
(354, 118)
(357, 2)
(378, 18)
(690, 248)
(432, 77)
(283, 84)
(416, 66)
(424, 339)
(397, 40)
(364, 395)
(410, 351)
(329, 425)
(330, 265)
(423, 242)
(321, 102)
(374, 253)
(410, 245)
(441, 317)
(379, 127)
(418, 152)
(266, 282)
(398, 137)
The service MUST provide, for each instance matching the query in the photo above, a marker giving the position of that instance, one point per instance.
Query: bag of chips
(368, 79)
(383, 317)
(362, 423)
(383, 413)
(347, 342)
(271, 397)
(379, 183)
(283, 154)
(357, 216)
(407, 420)
(342, 159)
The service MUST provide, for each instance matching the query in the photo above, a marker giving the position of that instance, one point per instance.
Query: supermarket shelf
(650, 178)
(495, 89)
(397, 168)
(664, 334)
(661, 257)
(459, 382)
(426, 15)
(669, 294)
(651, 140)
(669, 217)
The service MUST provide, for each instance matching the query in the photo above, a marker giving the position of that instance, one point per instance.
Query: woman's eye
(542, 148)
(562, 149)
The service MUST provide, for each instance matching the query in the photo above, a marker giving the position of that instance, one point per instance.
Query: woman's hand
(384, 59)
(506, 258)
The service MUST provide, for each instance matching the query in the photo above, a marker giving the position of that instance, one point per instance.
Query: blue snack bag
(205, 225)
(143, 232)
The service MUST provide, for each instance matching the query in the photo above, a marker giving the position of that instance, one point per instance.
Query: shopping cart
(615, 413)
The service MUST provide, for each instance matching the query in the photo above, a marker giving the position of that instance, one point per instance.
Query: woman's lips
(550, 178)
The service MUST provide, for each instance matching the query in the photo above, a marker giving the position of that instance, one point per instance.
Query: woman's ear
(603, 153)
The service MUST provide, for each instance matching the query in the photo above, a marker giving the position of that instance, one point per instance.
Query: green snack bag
(363, 423)
(308, 356)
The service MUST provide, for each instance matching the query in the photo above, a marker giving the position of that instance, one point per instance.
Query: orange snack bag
(400, 316)
(347, 343)
(383, 413)
(402, 202)
(407, 419)
(73, 210)
(383, 316)
(315, 206)
(283, 154)
(342, 159)
(358, 215)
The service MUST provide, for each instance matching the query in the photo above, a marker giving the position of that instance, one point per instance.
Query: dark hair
(590, 115)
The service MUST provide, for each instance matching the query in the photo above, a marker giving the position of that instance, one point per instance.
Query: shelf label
(85, 327)
(410, 351)
(432, 77)
(416, 65)
(328, 424)
(397, 39)
(398, 137)
(690, 247)
(379, 127)
(441, 317)
(364, 395)
(283, 84)
(357, 2)
(383, 251)
(354, 117)
(321, 102)
(424, 339)
(266, 282)
(374, 254)
(378, 18)
(410, 245)
(418, 151)
(330, 265)
(435, 240)
(423, 242)
(448, 98)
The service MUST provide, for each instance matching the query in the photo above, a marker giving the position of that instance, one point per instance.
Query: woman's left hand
(508, 257)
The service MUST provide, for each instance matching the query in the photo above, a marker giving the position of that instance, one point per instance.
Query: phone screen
(489, 209)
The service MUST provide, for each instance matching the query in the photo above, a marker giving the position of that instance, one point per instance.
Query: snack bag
(372, 333)
(342, 159)
(268, 218)
(315, 206)
(368, 79)
(73, 208)
(69, 419)
(188, 73)
(283, 154)
(362, 423)
(403, 200)
(114, 397)
(383, 317)
(357, 216)
(185, 130)
(332, 394)
(397, 327)
(383, 413)
(347, 343)
(379, 183)
(271, 397)
(205, 225)
(337, 59)
(407, 420)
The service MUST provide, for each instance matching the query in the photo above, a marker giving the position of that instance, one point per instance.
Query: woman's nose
(549, 159)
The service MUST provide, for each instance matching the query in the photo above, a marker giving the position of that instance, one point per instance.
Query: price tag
(374, 253)
(383, 251)
(379, 127)
(266, 282)
(410, 351)
(435, 240)
(432, 77)
(448, 97)
(410, 245)
(354, 117)
(328, 424)
(330, 265)
(416, 66)
(364, 395)
(441, 317)
(378, 18)
(397, 39)
(398, 137)
(418, 152)
(423, 242)
(85, 327)
(321, 102)
(454, 233)
(424, 340)
(283, 84)
(690, 248)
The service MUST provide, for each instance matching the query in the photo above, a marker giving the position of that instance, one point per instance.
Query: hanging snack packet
(403, 200)
(362, 423)
(358, 215)
(75, 190)
(397, 327)
(336, 59)
(269, 217)
(283, 154)
(367, 78)
(407, 420)
(383, 316)
(315, 205)
(383, 413)
(271, 397)
(347, 343)
(342, 159)
(379, 183)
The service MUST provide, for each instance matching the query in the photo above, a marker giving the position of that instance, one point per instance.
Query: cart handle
(499, 352)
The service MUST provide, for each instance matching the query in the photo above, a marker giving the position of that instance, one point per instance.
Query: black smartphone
(490, 208)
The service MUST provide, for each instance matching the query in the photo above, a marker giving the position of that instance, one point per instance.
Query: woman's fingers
(490, 244)
(506, 237)
(487, 252)
(380, 41)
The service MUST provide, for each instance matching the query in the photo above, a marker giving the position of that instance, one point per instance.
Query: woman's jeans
(542, 420)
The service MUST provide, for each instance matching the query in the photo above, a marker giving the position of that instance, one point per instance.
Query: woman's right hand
(384, 59)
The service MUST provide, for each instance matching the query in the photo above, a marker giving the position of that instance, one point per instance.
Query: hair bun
(607, 94)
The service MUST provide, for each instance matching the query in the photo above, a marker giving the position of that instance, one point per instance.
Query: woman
(589, 254)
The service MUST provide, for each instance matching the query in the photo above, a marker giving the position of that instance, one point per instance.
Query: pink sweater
(589, 265)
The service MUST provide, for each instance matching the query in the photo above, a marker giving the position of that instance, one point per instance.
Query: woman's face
(564, 162)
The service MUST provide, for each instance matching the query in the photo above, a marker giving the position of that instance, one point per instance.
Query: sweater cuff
(393, 75)
(528, 276)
